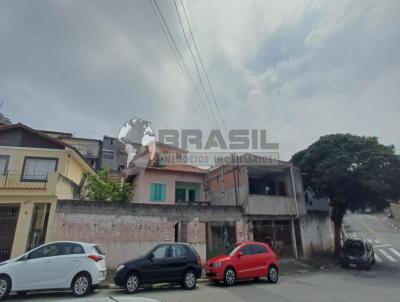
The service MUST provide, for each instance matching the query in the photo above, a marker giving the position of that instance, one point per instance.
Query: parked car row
(81, 267)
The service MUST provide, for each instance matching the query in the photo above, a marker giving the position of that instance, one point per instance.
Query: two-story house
(35, 171)
(272, 199)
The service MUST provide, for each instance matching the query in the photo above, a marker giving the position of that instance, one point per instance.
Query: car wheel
(5, 287)
(132, 283)
(81, 285)
(273, 274)
(229, 276)
(189, 280)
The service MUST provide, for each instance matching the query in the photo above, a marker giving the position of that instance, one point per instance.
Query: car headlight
(120, 267)
(217, 264)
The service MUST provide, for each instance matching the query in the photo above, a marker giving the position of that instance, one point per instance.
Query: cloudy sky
(299, 69)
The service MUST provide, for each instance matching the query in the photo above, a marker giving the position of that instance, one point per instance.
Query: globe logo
(139, 140)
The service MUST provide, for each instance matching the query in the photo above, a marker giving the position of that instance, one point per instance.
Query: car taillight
(95, 258)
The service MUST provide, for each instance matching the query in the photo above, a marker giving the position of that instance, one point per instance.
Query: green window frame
(157, 192)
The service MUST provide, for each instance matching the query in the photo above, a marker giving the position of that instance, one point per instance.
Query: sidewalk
(287, 267)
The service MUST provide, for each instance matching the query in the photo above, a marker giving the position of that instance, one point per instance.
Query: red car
(246, 261)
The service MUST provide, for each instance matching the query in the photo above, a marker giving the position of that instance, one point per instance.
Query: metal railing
(20, 180)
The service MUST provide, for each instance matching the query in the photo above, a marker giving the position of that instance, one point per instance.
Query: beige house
(35, 171)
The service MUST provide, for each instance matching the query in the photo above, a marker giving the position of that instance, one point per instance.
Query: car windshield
(354, 248)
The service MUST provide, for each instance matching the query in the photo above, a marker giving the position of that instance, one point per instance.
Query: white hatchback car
(56, 265)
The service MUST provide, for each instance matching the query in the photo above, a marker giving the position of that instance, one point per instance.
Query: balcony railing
(20, 180)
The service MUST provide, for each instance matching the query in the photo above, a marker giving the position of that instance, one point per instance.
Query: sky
(299, 68)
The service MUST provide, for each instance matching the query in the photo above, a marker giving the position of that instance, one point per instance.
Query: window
(180, 195)
(108, 154)
(38, 168)
(45, 251)
(177, 251)
(259, 249)
(192, 195)
(71, 249)
(160, 252)
(98, 250)
(247, 250)
(157, 192)
(4, 163)
(111, 142)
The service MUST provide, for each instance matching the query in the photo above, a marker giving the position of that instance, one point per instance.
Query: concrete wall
(316, 233)
(141, 184)
(395, 209)
(272, 205)
(125, 231)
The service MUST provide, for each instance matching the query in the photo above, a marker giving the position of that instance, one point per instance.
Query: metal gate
(221, 237)
(277, 234)
(8, 224)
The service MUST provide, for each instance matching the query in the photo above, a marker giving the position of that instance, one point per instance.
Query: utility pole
(294, 242)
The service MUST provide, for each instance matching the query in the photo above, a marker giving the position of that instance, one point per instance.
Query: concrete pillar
(294, 243)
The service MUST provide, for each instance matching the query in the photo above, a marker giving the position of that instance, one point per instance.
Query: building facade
(35, 171)
(272, 199)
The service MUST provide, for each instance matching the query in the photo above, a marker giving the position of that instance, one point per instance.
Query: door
(46, 267)
(261, 260)
(155, 269)
(245, 262)
(177, 262)
(8, 224)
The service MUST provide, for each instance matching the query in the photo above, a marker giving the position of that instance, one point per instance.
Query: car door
(245, 262)
(177, 262)
(261, 260)
(35, 271)
(67, 263)
(51, 265)
(155, 268)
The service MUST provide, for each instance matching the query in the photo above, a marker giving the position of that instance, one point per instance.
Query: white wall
(317, 233)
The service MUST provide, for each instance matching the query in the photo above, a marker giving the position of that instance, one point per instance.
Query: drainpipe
(297, 216)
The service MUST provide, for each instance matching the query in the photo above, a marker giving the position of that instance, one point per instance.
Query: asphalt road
(336, 284)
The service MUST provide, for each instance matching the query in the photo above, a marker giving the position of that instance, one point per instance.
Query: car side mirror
(151, 256)
(240, 254)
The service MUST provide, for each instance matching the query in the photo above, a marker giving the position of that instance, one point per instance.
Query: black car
(170, 262)
(357, 253)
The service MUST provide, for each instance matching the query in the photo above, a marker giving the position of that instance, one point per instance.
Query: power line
(202, 65)
(186, 75)
(195, 62)
(181, 62)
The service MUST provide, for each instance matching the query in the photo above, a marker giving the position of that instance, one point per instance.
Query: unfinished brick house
(271, 198)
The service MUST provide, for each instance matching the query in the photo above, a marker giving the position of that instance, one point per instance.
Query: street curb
(205, 280)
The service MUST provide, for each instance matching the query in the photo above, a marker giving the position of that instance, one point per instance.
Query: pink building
(169, 185)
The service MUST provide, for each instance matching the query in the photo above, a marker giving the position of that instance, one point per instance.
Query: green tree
(353, 171)
(100, 188)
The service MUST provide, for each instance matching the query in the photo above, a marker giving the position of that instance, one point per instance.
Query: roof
(179, 168)
(45, 136)
(69, 134)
